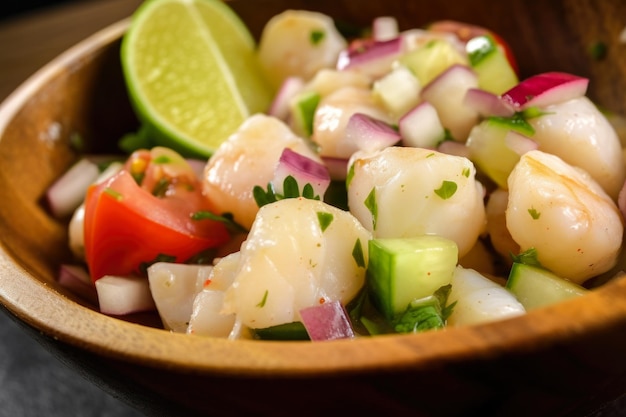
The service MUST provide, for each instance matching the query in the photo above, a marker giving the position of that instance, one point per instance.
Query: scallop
(299, 253)
(402, 192)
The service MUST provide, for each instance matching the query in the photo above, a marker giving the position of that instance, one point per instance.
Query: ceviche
(401, 181)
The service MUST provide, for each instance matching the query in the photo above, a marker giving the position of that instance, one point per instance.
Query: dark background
(14, 8)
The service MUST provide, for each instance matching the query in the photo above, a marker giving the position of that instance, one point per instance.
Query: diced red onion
(545, 89)
(519, 143)
(373, 58)
(446, 92)
(384, 28)
(124, 295)
(420, 127)
(290, 87)
(76, 279)
(487, 103)
(327, 321)
(305, 170)
(68, 191)
(451, 147)
(370, 134)
(337, 167)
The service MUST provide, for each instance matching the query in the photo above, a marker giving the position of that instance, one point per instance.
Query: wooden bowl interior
(82, 94)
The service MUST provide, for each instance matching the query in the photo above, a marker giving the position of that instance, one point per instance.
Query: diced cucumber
(489, 151)
(495, 73)
(402, 270)
(398, 91)
(536, 287)
(303, 110)
(431, 59)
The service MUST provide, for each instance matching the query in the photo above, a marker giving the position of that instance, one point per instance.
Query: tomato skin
(126, 226)
(465, 32)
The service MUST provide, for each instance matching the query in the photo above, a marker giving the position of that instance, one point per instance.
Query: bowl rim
(57, 316)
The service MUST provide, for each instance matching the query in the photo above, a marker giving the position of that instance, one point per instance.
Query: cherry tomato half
(127, 225)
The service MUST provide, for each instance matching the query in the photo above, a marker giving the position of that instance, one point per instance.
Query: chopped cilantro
(290, 187)
(317, 36)
(372, 206)
(350, 175)
(226, 218)
(325, 219)
(517, 122)
(309, 192)
(534, 213)
(290, 190)
(357, 253)
(447, 189)
(428, 313)
(528, 257)
(263, 300)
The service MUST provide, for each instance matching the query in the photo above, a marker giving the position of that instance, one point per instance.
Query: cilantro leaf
(428, 313)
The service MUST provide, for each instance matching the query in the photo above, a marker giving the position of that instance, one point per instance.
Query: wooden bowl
(561, 360)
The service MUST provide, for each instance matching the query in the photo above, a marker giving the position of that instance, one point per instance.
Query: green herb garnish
(447, 189)
(226, 218)
(325, 219)
(372, 206)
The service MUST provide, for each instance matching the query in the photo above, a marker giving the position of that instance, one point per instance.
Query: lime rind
(190, 69)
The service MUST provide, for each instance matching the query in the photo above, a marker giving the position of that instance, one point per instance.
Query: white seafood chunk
(565, 215)
(479, 299)
(174, 287)
(248, 158)
(206, 318)
(579, 134)
(299, 253)
(402, 192)
(299, 43)
(332, 116)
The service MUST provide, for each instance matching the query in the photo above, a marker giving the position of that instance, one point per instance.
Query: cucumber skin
(495, 73)
(535, 287)
(401, 270)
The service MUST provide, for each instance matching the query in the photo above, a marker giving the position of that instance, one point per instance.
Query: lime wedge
(192, 73)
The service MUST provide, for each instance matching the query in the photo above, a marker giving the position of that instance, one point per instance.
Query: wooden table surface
(33, 382)
(28, 41)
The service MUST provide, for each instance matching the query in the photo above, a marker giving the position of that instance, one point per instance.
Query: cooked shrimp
(299, 43)
(332, 116)
(577, 132)
(565, 215)
(299, 253)
(247, 159)
(402, 192)
(479, 299)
